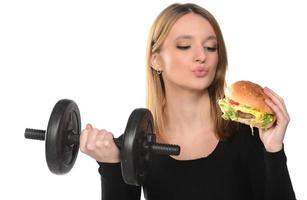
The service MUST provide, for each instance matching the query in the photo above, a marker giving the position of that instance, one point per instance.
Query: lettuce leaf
(229, 113)
(268, 118)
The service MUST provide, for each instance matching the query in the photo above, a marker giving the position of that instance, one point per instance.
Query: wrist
(273, 148)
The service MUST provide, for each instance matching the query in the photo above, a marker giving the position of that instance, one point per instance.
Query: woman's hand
(273, 137)
(99, 144)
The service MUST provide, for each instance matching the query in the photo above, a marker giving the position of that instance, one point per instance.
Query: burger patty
(245, 115)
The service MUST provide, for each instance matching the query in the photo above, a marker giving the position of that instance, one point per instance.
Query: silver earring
(159, 72)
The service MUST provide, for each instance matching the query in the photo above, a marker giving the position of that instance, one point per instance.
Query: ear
(155, 61)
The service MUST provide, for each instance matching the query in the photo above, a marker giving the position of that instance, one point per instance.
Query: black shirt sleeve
(278, 183)
(268, 172)
(113, 186)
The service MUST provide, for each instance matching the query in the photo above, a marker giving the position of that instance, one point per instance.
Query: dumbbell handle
(36, 134)
(75, 139)
(156, 148)
(165, 149)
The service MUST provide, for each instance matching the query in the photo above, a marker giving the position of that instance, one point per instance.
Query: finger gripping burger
(244, 102)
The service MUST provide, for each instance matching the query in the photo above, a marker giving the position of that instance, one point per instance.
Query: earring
(159, 72)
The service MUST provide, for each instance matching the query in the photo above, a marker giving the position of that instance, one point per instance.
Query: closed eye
(183, 47)
(211, 49)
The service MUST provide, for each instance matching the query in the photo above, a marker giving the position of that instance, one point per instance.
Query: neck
(187, 113)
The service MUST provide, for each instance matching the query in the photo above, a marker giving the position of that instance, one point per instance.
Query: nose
(200, 54)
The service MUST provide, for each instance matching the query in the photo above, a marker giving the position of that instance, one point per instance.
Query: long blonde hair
(155, 86)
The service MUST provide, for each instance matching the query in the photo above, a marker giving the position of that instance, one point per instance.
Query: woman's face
(189, 56)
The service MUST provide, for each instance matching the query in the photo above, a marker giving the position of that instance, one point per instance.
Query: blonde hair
(155, 86)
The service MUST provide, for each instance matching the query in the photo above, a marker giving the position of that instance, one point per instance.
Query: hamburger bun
(249, 94)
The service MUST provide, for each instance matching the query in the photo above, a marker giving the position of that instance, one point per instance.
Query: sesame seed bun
(249, 94)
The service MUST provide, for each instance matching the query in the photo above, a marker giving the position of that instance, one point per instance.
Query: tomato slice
(232, 102)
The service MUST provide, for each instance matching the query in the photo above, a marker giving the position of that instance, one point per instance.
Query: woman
(186, 66)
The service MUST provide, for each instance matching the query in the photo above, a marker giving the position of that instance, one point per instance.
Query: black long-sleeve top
(239, 168)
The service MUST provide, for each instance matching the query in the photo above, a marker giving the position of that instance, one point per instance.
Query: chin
(200, 85)
(198, 88)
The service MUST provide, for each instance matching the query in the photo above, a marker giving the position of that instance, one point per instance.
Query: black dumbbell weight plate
(64, 120)
(134, 155)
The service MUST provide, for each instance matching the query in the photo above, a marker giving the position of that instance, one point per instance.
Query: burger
(244, 103)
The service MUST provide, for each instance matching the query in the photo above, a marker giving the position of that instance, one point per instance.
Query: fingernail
(88, 126)
(266, 89)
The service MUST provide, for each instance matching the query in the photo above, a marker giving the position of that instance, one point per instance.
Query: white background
(93, 52)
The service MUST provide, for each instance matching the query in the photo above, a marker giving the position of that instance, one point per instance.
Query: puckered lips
(200, 72)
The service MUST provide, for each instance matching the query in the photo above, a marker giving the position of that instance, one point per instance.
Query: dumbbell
(136, 144)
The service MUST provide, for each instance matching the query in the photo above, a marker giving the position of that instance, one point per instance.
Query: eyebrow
(211, 37)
